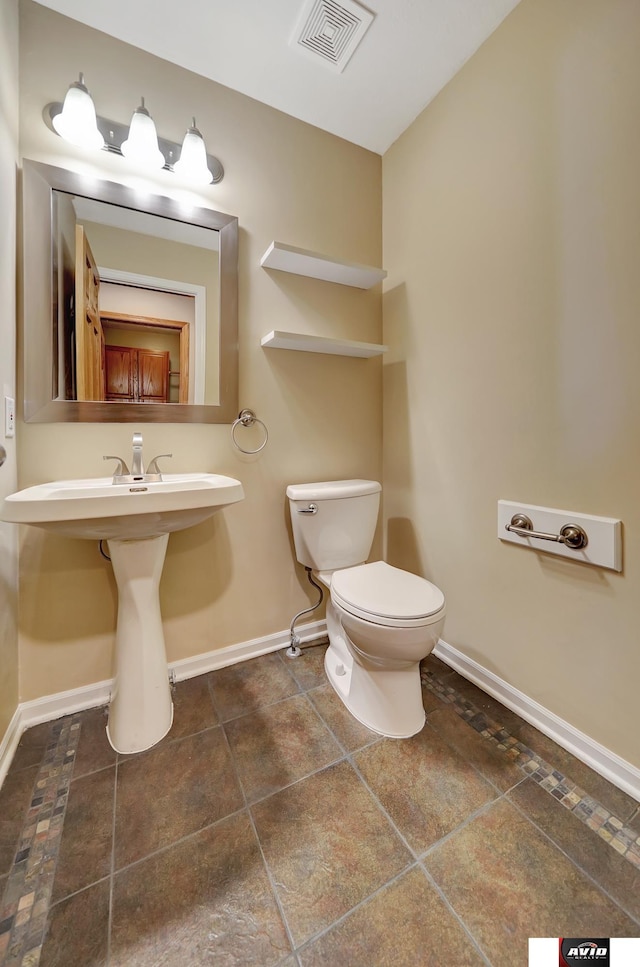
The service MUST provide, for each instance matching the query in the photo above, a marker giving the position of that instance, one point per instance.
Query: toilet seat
(387, 596)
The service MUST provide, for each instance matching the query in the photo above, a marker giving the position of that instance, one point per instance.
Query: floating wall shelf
(299, 261)
(319, 344)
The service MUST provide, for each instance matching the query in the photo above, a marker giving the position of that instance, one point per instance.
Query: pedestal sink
(136, 520)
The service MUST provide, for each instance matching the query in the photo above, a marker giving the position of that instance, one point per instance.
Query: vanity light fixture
(142, 144)
(192, 163)
(77, 122)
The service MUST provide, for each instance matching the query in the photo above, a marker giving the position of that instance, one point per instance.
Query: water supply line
(294, 650)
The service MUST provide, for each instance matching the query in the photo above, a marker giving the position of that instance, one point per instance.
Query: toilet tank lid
(332, 489)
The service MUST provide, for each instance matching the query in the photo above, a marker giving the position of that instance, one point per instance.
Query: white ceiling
(412, 49)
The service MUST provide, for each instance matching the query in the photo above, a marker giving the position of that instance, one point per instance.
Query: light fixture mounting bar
(114, 133)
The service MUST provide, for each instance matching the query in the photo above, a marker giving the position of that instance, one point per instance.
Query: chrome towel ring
(248, 418)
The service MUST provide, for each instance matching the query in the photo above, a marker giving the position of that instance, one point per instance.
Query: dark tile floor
(270, 828)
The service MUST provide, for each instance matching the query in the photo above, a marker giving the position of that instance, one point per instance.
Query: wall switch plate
(9, 417)
(604, 546)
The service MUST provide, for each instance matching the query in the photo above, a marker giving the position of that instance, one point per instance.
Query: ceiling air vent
(331, 30)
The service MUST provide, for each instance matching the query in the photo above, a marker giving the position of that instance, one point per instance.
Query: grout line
(339, 747)
(247, 809)
(113, 859)
(540, 771)
(347, 751)
(236, 812)
(465, 822)
(82, 889)
(346, 757)
(401, 836)
(177, 842)
(234, 767)
(343, 752)
(573, 861)
(124, 757)
(259, 708)
(586, 808)
(500, 792)
(28, 887)
(419, 858)
(454, 913)
(345, 916)
(272, 883)
(94, 772)
(296, 782)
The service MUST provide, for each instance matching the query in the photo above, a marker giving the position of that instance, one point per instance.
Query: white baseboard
(51, 707)
(46, 709)
(211, 660)
(621, 773)
(602, 760)
(9, 744)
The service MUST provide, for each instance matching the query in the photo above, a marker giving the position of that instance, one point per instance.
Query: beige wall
(511, 235)
(233, 578)
(8, 472)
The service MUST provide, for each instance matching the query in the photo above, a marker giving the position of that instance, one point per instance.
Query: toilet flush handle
(311, 509)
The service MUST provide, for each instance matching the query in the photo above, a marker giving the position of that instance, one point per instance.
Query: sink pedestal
(141, 710)
(135, 520)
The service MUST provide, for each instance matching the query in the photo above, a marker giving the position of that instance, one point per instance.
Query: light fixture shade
(142, 144)
(77, 121)
(192, 164)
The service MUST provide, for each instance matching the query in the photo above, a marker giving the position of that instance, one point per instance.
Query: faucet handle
(153, 464)
(121, 470)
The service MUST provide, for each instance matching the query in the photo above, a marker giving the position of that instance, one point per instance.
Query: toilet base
(388, 702)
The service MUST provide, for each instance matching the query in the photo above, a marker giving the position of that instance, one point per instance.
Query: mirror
(130, 304)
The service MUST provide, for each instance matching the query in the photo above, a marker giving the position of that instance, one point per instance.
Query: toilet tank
(340, 532)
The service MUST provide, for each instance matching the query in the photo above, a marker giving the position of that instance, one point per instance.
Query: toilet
(381, 621)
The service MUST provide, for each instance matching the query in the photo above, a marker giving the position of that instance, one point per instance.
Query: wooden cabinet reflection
(136, 375)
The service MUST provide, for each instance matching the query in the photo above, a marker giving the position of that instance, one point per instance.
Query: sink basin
(98, 509)
(135, 519)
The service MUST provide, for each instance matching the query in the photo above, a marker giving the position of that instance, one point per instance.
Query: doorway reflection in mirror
(138, 297)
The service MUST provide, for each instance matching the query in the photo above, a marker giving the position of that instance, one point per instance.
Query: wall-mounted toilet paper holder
(571, 535)
(581, 538)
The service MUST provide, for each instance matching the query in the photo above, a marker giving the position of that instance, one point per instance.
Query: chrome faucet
(136, 464)
(137, 474)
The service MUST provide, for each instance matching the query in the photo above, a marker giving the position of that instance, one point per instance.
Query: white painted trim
(51, 707)
(9, 744)
(232, 654)
(622, 774)
(198, 342)
(46, 709)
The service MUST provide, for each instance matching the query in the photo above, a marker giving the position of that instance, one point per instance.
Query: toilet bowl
(381, 621)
